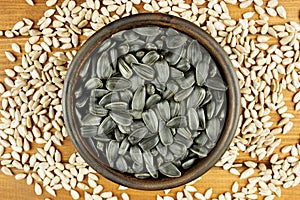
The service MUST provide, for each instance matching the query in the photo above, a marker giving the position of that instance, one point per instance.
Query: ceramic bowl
(77, 69)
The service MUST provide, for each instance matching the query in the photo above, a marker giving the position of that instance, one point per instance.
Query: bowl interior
(224, 65)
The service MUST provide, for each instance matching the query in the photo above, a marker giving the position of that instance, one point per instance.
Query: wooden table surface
(220, 180)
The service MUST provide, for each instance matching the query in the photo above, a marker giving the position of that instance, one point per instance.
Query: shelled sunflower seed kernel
(153, 108)
(257, 83)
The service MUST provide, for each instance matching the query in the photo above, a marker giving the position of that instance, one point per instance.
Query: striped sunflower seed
(144, 71)
(150, 119)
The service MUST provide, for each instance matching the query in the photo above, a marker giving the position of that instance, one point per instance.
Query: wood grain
(218, 179)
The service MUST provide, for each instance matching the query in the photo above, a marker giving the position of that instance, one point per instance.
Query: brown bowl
(224, 65)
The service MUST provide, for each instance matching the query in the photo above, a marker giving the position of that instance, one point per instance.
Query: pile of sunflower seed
(156, 101)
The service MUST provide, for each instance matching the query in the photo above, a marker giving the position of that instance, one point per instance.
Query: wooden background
(218, 179)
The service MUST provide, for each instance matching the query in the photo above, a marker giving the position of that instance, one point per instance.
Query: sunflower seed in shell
(79, 92)
(150, 119)
(171, 32)
(167, 94)
(164, 110)
(178, 149)
(201, 117)
(187, 81)
(136, 82)
(188, 142)
(112, 152)
(121, 117)
(136, 125)
(116, 105)
(121, 164)
(174, 108)
(213, 69)
(148, 158)
(185, 132)
(201, 139)
(118, 135)
(136, 154)
(196, 97)
(104, 68)
(148, 143)
(93, 83)
(113, 53)
(177, 122)
(139, 99)
(117, 84)
(201, 152)
(106, 126)
(137, 135)
(125, 96)
(150, 89)
(124, 146)
(183, 94)
(88, 131)
(172, 86)
(216, 84)
(97, 93)
(137, 45)
(213, 129)
(124, 129)
(165, 134)
(124, 69)
(152, 170)
(130, 36)
(82, 101)
(175, 41)
(150, 46)
(147, 31)
(84, 70)
(192, 118)
(90, 120)
(97, 110)
(123, 49)
(150, 57)
(108, 98)
(136, 114)
(105, 45)
(163, 150)
(210, 109)
(173, 57)
(183, 65)
(194, 52)
(144, 71)
(130, 59)
(159, 44)
(201, 72)
(219, 99)
(175, 73)
(169, 157)
(169, 170)
(152, 100)
(188, 163)
(102, 140)
(142, 175)
(162, 71)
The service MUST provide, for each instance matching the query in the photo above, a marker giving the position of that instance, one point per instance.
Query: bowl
(151, 101)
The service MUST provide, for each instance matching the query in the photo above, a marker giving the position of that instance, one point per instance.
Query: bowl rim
(224, 65)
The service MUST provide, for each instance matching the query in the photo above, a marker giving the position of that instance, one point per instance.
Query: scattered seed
(10, 56)
(38, 189)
